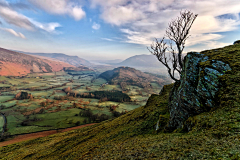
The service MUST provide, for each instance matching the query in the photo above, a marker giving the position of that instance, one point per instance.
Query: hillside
(131, 76)
(73, 60)
(214, 134)
(141, 61)
(18, 64)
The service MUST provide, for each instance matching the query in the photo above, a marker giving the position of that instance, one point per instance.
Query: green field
(5, 98)
(51, 108)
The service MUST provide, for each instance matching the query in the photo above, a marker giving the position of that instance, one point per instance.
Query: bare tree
(177, 33)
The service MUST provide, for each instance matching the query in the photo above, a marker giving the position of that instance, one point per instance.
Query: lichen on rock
(197, 89)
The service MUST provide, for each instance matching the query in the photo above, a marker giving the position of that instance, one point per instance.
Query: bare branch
(159, 50)
(177, 32)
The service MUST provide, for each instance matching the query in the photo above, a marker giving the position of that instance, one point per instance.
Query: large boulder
(196, 92)
(23, 95)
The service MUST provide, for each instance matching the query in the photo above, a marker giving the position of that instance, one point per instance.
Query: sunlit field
(51, 108)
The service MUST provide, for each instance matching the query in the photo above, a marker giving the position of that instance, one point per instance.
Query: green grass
(28, 129)
(59, 94)
(93, 102)
(32, 105)
(99, 81)
(5, 85)
(41, 93)
(139, 98)
(5, 98)
(127, 107)
(61, 119)
(10, 103)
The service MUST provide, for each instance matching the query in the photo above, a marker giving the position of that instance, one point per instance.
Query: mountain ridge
(73, 60)
(141, 61)
(18, 64)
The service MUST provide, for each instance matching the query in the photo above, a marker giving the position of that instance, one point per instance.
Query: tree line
(116, 96)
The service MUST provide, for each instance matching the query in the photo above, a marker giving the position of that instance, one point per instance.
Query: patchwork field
(51, 108)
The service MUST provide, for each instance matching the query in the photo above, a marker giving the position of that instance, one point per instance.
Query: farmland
(52, 108)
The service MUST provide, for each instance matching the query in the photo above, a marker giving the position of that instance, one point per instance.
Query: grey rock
(196, 91)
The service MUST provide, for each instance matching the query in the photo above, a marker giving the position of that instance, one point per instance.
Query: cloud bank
(12, 17)
(143, 20)
(61, 7)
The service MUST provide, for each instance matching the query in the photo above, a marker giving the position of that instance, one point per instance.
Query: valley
(53, 103)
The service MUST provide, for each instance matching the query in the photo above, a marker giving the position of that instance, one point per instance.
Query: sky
(112, 29)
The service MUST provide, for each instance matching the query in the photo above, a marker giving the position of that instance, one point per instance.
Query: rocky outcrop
(23, 95)
(196, 92)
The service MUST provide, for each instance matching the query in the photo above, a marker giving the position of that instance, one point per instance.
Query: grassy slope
(216, 134)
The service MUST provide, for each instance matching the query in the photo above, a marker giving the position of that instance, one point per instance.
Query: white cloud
(49, 27)
(120, 14)
(202, 38)
(206, 46)
(21, 35)
(143, 20)
(107, 39)
(215, 44)
(14, 32)
(61, 7)
(77, 13)
(14, 18)
(96, 26)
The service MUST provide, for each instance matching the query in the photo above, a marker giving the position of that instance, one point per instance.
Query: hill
(131, 76)
(141, 134)
(141, 61)
(18, 64)
(73, 60)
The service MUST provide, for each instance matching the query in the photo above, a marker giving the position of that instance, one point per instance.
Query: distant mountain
(108, 61)
(18, 64)
(141, 61)
(131, 76)
(73, 60)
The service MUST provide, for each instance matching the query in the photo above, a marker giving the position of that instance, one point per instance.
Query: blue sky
(111, 29)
